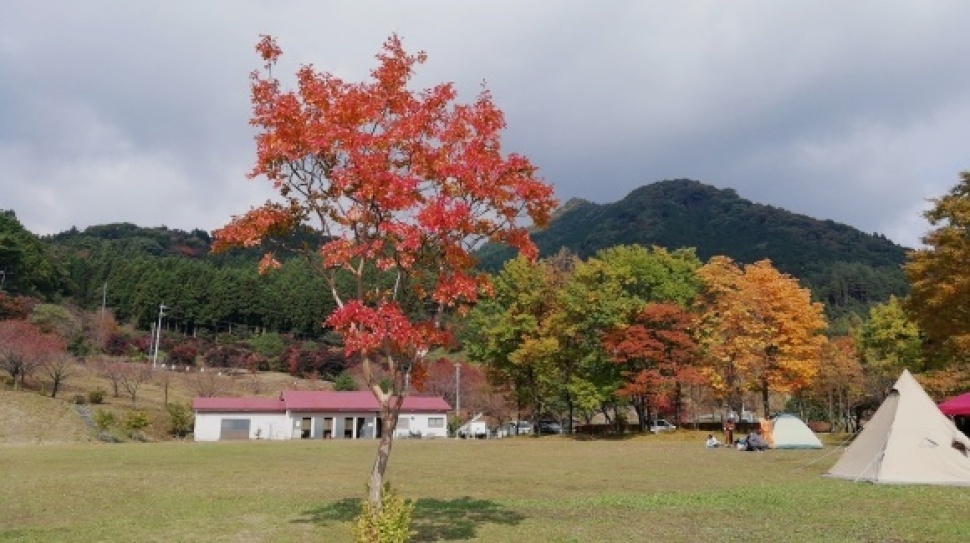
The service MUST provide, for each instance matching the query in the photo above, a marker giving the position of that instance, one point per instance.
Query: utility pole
(457, 388)
(104, 299)
(158, 330)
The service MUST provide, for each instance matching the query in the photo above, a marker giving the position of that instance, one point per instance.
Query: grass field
(656, 488)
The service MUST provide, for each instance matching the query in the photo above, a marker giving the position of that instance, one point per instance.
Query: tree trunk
(390, 411)
(678, 404)
(640, 408)
(764, 395)
(569, 407)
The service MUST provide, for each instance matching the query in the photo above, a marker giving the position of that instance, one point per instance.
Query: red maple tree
(657, 355)
(402, 185)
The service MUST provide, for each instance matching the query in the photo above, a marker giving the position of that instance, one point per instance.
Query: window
(436, 422)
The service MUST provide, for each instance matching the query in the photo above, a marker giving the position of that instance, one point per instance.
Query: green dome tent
(789, 432)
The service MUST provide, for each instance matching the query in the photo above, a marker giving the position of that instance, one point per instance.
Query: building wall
(423, 424)
(290, 425)
(362, 425)
(208, 425)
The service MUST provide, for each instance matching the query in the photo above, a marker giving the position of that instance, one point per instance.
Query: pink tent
(959, 405)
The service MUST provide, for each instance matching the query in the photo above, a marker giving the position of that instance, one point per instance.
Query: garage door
(234, 429)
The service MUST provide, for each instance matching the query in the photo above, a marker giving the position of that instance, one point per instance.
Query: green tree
(606, 293)
(270, 345)
(27, 266)
(504, 332)
(889, 342)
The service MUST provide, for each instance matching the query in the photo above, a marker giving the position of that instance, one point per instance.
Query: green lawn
(657, 488)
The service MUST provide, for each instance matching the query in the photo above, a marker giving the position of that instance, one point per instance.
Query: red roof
(300, 400)
(361, 400)
(239, 404)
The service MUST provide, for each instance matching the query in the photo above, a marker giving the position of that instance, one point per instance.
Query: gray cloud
(120, 111)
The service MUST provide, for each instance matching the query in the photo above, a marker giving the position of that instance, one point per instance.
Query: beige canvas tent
(908, 440)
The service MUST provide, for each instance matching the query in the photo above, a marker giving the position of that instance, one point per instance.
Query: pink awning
(959, 405)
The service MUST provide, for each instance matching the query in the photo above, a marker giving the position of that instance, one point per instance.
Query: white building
(315, 415)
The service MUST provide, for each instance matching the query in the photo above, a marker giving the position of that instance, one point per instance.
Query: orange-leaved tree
(840, 382)
(761, 329)
(402, 185)
(939, 299)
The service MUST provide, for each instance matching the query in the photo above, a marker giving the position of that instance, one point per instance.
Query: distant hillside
(844, 266)
(133, 240)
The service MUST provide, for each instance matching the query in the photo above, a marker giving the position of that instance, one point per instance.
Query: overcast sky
(129, 111)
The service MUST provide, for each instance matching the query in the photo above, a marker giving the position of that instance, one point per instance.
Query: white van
(661, 425)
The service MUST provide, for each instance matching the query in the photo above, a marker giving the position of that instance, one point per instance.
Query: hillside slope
(30, 418)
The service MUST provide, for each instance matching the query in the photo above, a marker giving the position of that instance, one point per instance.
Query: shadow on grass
(432, 520)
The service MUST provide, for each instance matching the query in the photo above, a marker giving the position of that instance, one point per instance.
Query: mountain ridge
(671, 213)
(841, 264)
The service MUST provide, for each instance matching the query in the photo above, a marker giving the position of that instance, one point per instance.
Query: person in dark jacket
(755, 442)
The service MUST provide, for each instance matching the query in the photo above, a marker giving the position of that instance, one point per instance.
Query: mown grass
(655, 488)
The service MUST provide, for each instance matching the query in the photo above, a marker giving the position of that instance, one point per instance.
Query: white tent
(908, 440)
(789, 432)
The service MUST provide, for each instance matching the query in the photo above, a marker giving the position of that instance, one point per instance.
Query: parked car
(477, 429)
(661, 425)
(519, 427)
(549, 427)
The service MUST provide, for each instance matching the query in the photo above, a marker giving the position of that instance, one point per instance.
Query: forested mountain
(845, 268)
(132, 240)
(133, 270)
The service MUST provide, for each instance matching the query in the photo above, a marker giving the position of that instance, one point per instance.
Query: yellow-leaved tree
(759, 330)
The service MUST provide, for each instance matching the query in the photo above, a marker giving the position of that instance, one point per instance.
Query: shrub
(108, 437)
(180, 419)
(134, 423)
(79, 399)
(344, 382)
(96, 396)
(391, 524)
(184, 354)
(117, 344)
(104, 420)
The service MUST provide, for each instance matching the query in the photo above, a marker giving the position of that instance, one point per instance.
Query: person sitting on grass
(711, 442)
(755, 442)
